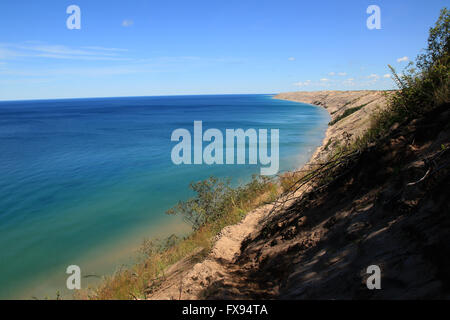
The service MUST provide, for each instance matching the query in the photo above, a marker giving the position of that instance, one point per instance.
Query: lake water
(83, 181)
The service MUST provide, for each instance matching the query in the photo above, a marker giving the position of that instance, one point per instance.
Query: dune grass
(423, 85)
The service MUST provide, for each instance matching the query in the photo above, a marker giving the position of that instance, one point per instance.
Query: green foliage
(151, 247)
(346, 113)
(214, 198)
(423, 86)
(215, 206)
(438, 43)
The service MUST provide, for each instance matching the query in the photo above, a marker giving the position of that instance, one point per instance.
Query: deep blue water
(81, 178)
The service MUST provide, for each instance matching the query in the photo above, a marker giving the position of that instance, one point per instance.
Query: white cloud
(127, 23)
(291, 59)
(75, 57)
(7, 53)
(324, 80)
(55, 49)
(387, 76)
(373, 78)
(403, 59)
(349, 82)
(302, 84)
(105, 49)
(341, 74)
(43, 50)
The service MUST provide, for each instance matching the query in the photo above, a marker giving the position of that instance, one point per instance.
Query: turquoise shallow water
(82, 181)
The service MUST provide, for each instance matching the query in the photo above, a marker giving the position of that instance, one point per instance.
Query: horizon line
(175, 95)
(143, 96)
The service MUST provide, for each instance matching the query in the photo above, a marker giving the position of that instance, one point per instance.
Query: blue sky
(141, 48)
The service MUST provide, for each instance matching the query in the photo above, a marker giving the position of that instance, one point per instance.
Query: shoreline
(336, 103)
(186, 279)
(102, 261)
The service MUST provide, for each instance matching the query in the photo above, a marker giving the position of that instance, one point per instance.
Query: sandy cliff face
(189, 278)
(388, 208)
(336, 103)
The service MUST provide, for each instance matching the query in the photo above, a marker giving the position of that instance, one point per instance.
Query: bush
(215, 206)
(423, 86)
(346, 113)
(216, 198)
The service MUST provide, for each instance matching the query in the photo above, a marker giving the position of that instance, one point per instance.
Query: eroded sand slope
(390, 209)
(189, 278)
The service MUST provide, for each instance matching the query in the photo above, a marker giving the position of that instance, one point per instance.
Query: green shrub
(215, 197)
(347, 112)
(423, 85)
(215, 206)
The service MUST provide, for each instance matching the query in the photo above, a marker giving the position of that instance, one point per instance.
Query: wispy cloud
(111, 70)
(54, 49)
(291, 59)
(6, 53)
(130, 66)
(403, 59)
(302, 84)
(387, 76)
(349, 82)
(105, 49)
(340, 74)
(127, 23)
(42, 50)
